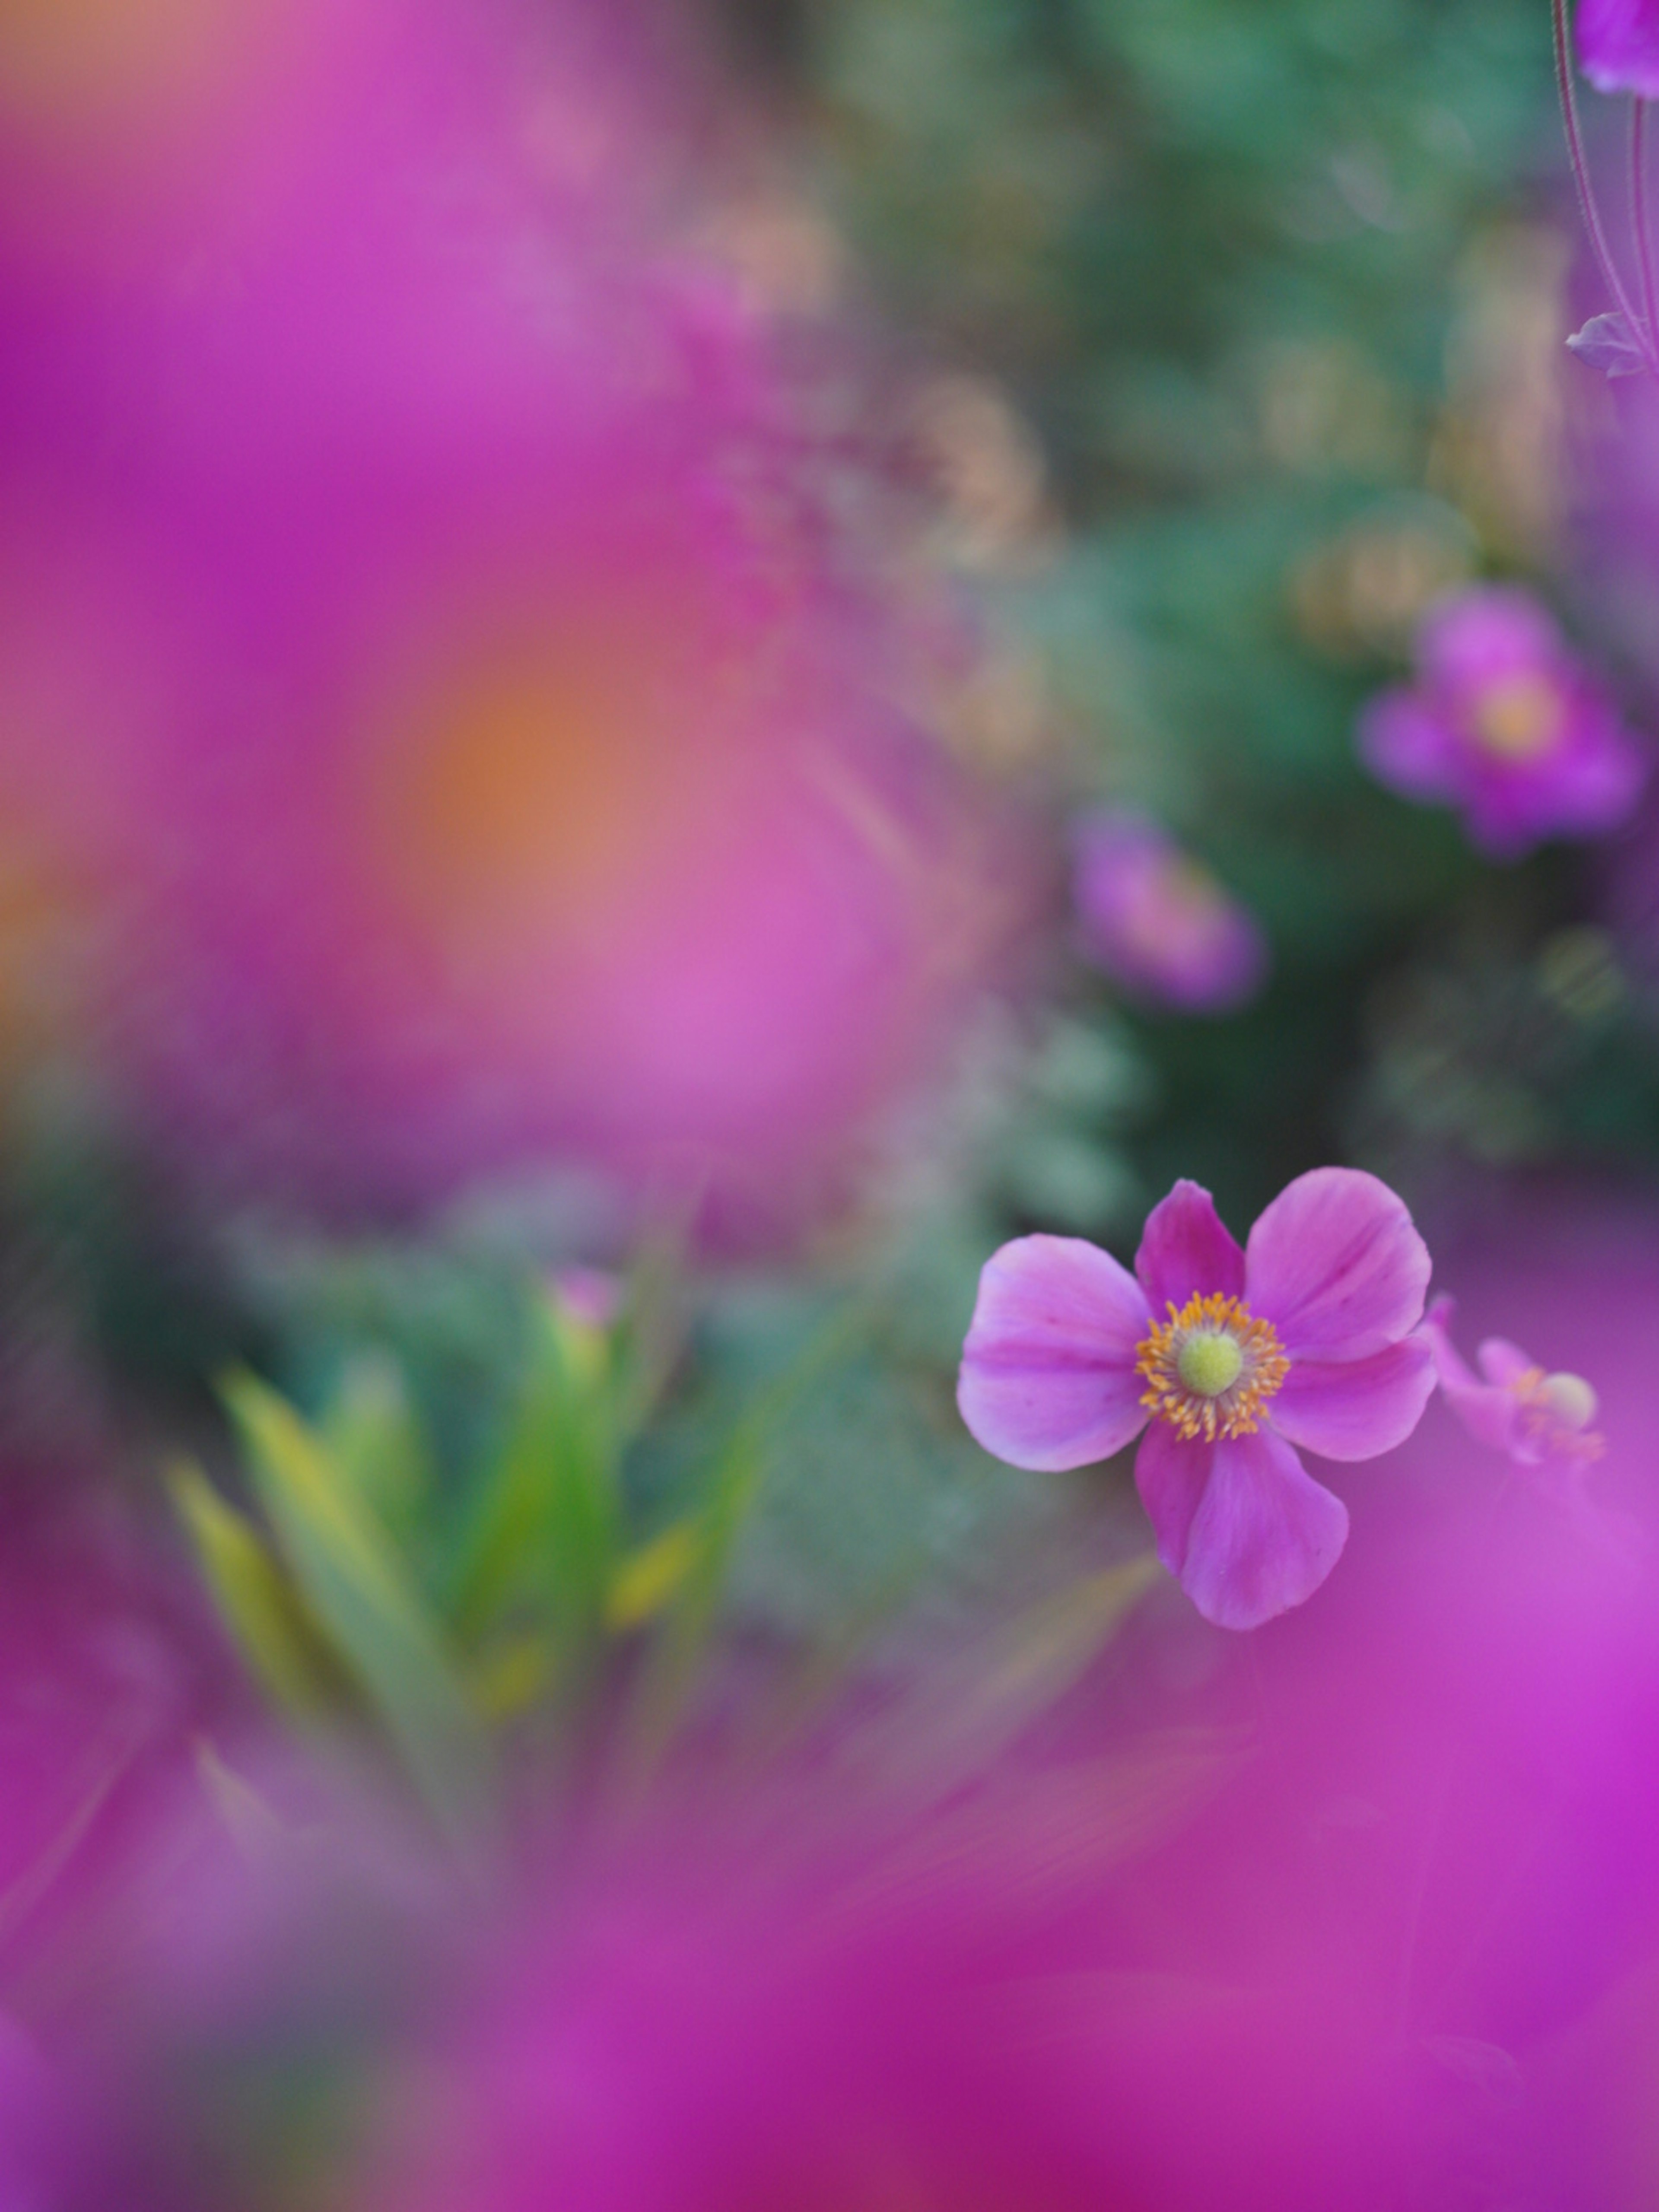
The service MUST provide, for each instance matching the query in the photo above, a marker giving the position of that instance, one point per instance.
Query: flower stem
(1638, 215)
(1592, 215)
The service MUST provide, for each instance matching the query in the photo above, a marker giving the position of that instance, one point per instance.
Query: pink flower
(1542, 1422)
(1158, 921)
(513, 708)
(1518, 1408)
(1505, 725)
(761, 2035)
(1304, 1338)
(1618, 45)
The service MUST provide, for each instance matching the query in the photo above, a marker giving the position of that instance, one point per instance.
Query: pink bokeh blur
(470, 732)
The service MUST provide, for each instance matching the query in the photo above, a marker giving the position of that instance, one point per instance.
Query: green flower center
(1210, 1362)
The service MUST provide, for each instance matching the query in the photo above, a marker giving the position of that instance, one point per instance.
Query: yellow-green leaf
(257, 1598)
(648, 1578)
(356, 1585)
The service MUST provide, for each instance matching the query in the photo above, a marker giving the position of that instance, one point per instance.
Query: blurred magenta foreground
(458, 709)
(1359, 1912)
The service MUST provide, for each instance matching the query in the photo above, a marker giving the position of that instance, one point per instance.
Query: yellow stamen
(1518, 718)
(1211, 1368)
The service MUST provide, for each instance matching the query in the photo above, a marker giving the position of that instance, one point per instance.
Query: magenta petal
(1408, 746)
(1597, 786)
(1337, 1265)
(1264, 1536)
(1486, 1411)
(1502, 1362)
(1047, 1377)
(1618, 45)
(1355, 1408)
(1171, 1475)
(1185, 1248)
(1484, 632)
(1449, 1366)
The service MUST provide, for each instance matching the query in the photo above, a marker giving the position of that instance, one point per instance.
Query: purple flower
(1158, 921)
(762, 2036)
(1542, 1422)
(1517, 1408)
(1618, 45)
(1505, 725)
(1304, 1338)
(509, 701)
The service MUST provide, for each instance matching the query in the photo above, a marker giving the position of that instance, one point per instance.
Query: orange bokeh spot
(1519, 719)
(550, 788)
(59, 48)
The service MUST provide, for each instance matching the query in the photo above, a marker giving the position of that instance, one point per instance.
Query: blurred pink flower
(1158, 922)
(1618, 45)
(1505, 723)
(1517, 1408)
(829, 2010)
(1542, 1422)
(696, 2039)
(1306, 1337)
(530, 785)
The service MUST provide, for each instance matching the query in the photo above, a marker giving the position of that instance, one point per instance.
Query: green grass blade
(355, 1584)
(546, 1531)
(257, 1601)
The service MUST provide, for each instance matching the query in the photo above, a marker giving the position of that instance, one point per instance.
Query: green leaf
(651, 1333)
(509, 1677)
(678, 1655)
(257, 1600)
(355, 1584)
(371, 1434)
(647, 1578)
(546, 1527)
(731, 1488)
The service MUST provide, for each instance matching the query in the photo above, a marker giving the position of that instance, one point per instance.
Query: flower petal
(1486, 1410)
(1337, 1265)
(1171, 1471)
(1047, 1377)
(1502, 1362)
(1482, 634)
(1185, 1248)
(1618, 45)
(1449, 1366)
(1355, 1408)
(1265, 1534)
(1599, 782)
(1408, 746)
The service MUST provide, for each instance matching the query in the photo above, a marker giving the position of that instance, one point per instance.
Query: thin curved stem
(1591, 212)
(1638, 215)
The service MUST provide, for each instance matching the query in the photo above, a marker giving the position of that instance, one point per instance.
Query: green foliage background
(1276, 290)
